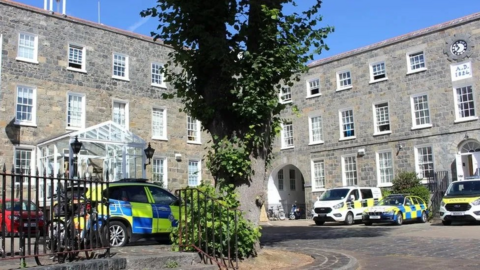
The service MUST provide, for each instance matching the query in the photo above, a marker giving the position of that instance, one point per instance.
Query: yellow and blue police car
(138, 209)
(396, 209)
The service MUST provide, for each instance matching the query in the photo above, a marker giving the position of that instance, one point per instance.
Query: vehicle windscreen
(392, 200)
(464, 189)
(334, 194)
(17, 206)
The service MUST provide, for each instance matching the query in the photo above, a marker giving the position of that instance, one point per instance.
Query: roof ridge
(397, 39)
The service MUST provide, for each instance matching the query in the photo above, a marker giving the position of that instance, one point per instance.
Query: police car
(138, 209)
(396, 209)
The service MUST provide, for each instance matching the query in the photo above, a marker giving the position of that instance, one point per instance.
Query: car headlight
(391, 212)
(442, 204)
(476, 202)
(338, 206)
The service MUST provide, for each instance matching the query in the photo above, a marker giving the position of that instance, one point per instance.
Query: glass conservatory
(108, 152)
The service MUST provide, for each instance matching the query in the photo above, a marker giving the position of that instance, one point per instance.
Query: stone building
(64, 78)
(410, 103)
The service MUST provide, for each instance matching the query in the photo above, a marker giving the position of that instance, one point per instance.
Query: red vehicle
(31, 218)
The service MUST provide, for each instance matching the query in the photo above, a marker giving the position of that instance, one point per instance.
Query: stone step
(168, 260)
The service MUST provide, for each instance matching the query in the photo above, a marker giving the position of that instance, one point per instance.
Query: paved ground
(411, 246)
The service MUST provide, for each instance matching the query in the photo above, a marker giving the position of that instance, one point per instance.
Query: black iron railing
(52, 219)
(208, 227)
(437, 185)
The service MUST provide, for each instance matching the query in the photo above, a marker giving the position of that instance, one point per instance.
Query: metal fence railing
(52, 219)
(208, 227)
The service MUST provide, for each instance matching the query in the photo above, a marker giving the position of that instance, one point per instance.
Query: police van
(344, 204)
(461, 202)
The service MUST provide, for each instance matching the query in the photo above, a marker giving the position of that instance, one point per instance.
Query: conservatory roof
(108, 132)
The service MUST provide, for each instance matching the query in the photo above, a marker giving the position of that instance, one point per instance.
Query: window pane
(157, 74)
(158, 124)
(422, 114)
(26, 46)
(75, 57)
(316, 125)
(119, 113)
(382, 117)
(25, 103)
(314, 87)
(466, 107)
(385, 167)
(285, 94)
(75, 111)
(344, 79)
(280, 180)
(378, 71)
(425, 162)
(347, 124)
(287, 135)
(192, 129)
(158, 171)
(319, 174)
(350, 170)
(417, 61)
(119, 65)
(193, 173)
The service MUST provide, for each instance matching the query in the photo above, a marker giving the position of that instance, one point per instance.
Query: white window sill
(194, 142)
(319, 189)
(315, 143)
(416, 71)
(466, 119)
(32, 61)
(382, 133)
(424, 181)
(347, 138)
(160, 138)
(74, 128)
(385, 185)
(287, 147)
(77, 70)
(121, 78)
(314, 96)
(285, 102)
(344, 88)
(421, 127)
(163, 86)
(24, 124)
(379, 80)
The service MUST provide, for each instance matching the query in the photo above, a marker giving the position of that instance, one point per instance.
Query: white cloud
(139, 23)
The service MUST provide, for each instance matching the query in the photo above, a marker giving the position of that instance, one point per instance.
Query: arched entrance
(468, 160)
(286, 186)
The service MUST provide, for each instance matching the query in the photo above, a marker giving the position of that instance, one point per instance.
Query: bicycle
(65, 237)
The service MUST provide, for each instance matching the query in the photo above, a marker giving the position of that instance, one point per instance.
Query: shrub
(218, 219)
(409, 183)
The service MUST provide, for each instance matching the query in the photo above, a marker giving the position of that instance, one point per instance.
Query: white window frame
(197, 130)
(35, 48)
(84, 57)
(33, 122)
(154, 71)
(417, 165)
(379, 167)
(320, 176)
(409, 55)
(340, 116)
(83, 111)
(163, 172)
(311, 130)
(282, 95)
(375, 119)
(459, 119)
(344, 171)
(309, 87)
(412, 107)
(372, 77)
(284, 137)
(198, 173)
(127, 112)
(340, 80)
(162, 136)
(32, 159)
(126, 71)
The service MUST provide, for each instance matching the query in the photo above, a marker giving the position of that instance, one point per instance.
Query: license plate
(458, 213)
(29, 225)
(322, 215)
(374, 217)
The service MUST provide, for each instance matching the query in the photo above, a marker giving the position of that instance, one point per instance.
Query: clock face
(459, 47)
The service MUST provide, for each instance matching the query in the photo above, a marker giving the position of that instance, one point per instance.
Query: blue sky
(357, 22)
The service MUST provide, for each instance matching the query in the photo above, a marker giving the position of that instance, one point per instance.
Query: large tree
(229, 59)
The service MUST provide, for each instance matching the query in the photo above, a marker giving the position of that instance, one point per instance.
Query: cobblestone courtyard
(411, 246)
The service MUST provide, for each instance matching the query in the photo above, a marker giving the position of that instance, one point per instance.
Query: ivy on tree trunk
(228, 61)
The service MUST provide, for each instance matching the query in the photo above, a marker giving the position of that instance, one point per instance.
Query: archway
(468, 159)
(286, 187)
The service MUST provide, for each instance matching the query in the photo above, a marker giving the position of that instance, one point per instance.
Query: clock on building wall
(458, 47)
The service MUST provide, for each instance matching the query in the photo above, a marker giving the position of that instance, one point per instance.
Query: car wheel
(367, 223)
(319, 222)
(349, 219)
(399, 220)
(446, 222)
(424, 217)
(118, 234)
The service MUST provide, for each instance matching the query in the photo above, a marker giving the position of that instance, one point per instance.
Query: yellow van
(345, 204)
(461, 202)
